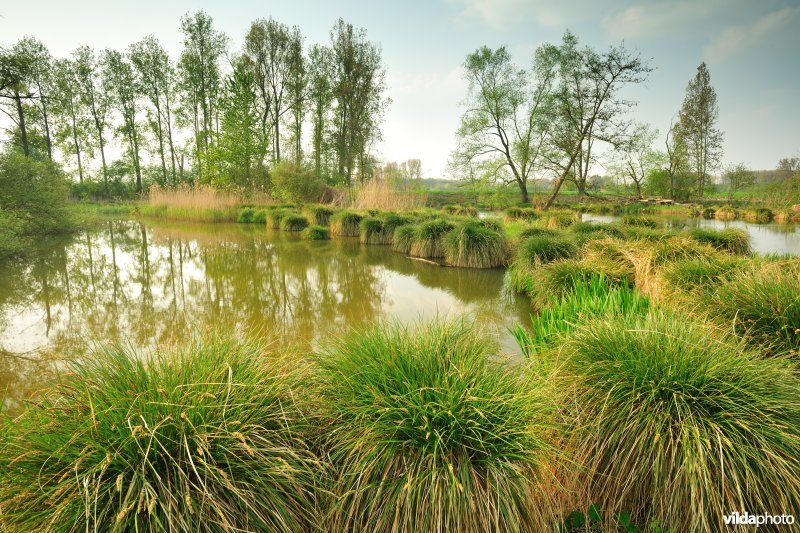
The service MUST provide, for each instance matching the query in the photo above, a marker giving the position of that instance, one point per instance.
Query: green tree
(96, 98)
(320, 94)
(40, 81)
(72, 123)
(697, 125)
(738, 177)
(635, 158)
(15, 75)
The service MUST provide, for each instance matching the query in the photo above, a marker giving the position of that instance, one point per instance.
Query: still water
(144, 283)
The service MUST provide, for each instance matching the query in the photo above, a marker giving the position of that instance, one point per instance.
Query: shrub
(259, 216)
(428, 238)
(731, 240)
(293, 183)
(638, 222)
(316, 233)
(245, 215)
(346, 223)
(319, 215)
(403, 238)
(208, 437)
(11, 241)
(475, 244)
(294, 222)
(678, 425)
(429, 433)
(763, 305)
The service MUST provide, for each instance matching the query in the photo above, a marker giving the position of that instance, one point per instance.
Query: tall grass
(475, 244)
(204, 438)
(319, 215)
(638, 221)
(294, 222)
(387, 196)
(535, 251)
(346, 223)
(674, 423)
(203, 203)
(428, 238)
(317, 233)
(731, 240)
(403, 238)
(428, 433)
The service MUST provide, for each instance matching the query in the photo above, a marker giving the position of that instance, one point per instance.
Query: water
(764, 238)
(145, 284)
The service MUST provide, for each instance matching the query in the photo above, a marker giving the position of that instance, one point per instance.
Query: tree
(505, 111)
(155, 80)
(119, 81)
(697, 124)
(320, 94)
(72, 121)
(587, 105)
(15, 74)
(636, 159)
(358, 87)
(738, 177)
(95, 97)
(200, 78)
(40, 66)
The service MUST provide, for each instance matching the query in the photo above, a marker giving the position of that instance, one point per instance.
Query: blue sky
(751, 47)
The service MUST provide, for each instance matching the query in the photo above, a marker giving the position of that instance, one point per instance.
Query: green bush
(731, 240)
(205, 438)
(11, 240)
(428, 238)
(275, 216)
(346, 223)
(295, 184)
(294, 222)
(429, 432)
(316, 233)
(677, 424)
(475, 244)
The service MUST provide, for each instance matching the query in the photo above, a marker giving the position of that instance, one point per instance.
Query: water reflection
(144, 284)
(764, 238)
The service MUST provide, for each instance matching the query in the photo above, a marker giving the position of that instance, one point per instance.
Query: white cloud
(501, 14)
(652, 19)
(736, 38)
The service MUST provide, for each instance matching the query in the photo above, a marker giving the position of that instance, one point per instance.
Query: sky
(751, 49)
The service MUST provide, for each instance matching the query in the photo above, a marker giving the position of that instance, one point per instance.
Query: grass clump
(275, 216)
(475, 244)
(316, 233)
(558, 219)
(403, 238)
(700, 274)
(428, 238)
(245, 215)
(259, 216)
(535, 251)
(461, 210)
(731, 240)
(536, 231)
(429, 433)
(637, 221)
(520, 213)
(675, 424)
(203, 438)
(346, 223)
(763, 306)
(371, 231)
(319, 215)
(294, 222)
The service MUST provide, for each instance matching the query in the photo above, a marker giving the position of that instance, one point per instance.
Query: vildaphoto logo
(747, 519)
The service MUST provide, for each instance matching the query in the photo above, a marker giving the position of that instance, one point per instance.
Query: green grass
(763, 305)
(372, 231)
(475, 244)
(316, 233)
(204, 438)
(192, 214)
(536, 231)
(346, 223)
(294, 222)
(428, 238)
(558, 219)
(461, 210)
(535, 251)
(403, 238)
(260, 216)
(319, 215)
(637, 221)
(677, 424)
(245, 215)
(520, 213)
(275, 216)
(731, 240)
(428, 432)
(701, 274)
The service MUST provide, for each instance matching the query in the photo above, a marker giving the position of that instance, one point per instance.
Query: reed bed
(346, 223)
(202, 203)
(387, 196)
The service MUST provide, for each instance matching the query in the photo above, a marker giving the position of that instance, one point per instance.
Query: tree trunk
(523, 192)
(23, 132)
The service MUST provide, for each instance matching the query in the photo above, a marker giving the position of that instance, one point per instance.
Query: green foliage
(428, 238)
(536, 231)
(371, 231)
(558, 219)
(638, 222)
(404, 237)
(520, 213)
(292, 183)
(245, 215)
(275, 216)
(461, 210)
(535, 251)
(426, 428)
(11, 240)
(294, 222)
(731, 240)
(203, 438)
(475, 244)
(259, 216)
(688, 409)
(346, 223)
(319, 215)
(317, 233)
(701, 274)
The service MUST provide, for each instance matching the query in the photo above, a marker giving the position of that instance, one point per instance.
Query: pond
(764, 238)
(145, 283)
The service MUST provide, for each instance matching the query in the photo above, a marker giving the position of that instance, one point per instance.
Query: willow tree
(697, 123)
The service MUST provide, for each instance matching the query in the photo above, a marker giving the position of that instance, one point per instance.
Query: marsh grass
(202, 204)
(294, 222)
(731, 240)
(678, 424)
(346, 223)
(403, 238)
(207, 437)
(475, 244)
(316, 233)
(535, 251)
(428, 238)
(387, 195)
(461, 210)
(638, 221)
(275, 216)
(319, 215)
(558, 219)
(428, 432)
